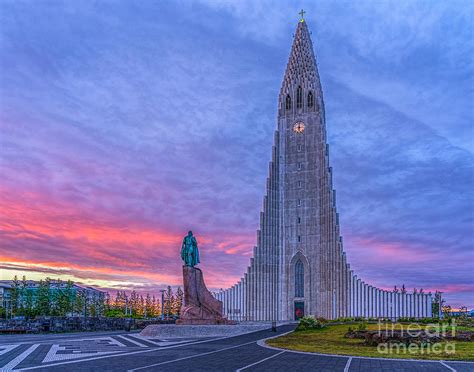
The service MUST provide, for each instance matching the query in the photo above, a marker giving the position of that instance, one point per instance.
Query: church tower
(311, 251)
(298, 266)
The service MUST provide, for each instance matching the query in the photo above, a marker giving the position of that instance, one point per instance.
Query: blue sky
(125, 123)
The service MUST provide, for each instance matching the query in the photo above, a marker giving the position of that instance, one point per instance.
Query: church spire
(301, 70)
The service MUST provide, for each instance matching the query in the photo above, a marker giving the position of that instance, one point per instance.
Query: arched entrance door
(299, 290)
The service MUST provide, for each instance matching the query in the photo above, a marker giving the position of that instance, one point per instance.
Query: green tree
(156, 305)
(178, 301)
(44, 297)
(15, 295)
(446, 309)
(437, 304)
(80, 303)
(148, 307)
(169, 300)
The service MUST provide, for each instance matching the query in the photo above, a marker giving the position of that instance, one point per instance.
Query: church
(299, 266)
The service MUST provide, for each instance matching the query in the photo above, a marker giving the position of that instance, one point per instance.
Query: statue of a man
(189, 250)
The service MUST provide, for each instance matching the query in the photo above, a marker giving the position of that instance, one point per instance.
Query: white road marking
(53, 355)
(448, 367)
(348, 364)
(163, 343)
(191, 356)
(123, 354)
(113, 341)
(7, 348)
(14, 362)
(260, 361)
(132, 341)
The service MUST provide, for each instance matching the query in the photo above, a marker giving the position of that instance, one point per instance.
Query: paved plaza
(118, 351)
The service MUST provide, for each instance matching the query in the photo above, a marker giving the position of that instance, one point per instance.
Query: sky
(123, 124)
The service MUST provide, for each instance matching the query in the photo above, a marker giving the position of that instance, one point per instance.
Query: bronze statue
(189, 250)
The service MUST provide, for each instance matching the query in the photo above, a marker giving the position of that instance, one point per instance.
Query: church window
(310, 100)
(299, 219)
(288, 102)
(299, 97)
(299, 279)
(299, 202)
(298, 147)
(299, 166)
(299, 238)
(299, 183)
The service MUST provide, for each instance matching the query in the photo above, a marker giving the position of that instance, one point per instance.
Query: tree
(149, 311)
(437, 304)
(446, 309)
(156, 306)
(15, 295)
(141, 306)
(395, 289)
(463, 312)
(44, 297)
(403, 290)
(107, 302)
(169, 299)
(133, 303)
(178, 301)
(80, 303)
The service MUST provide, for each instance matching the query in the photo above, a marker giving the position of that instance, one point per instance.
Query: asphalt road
(113, 351)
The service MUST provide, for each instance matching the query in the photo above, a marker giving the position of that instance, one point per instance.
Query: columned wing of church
(299, 266)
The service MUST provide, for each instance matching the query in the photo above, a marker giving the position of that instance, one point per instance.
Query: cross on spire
(302, 15)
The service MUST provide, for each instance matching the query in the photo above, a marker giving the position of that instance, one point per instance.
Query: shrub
(344, 320)
(362, 326)
(309, 322)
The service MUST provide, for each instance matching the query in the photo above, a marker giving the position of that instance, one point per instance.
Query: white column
(372, 300)
(351, 312)
(364, 300)
(394, 306)
(236, 302)
(399, 302)
(384, 304)
(370, 303)
(232, 302)
(415, 298)
(377, 303)
(360, 299)
(227, 297)
(390, 304)
(246, 296)
(239, 302)
(241, 299)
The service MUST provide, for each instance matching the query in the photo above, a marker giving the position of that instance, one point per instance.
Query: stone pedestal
(199, 305)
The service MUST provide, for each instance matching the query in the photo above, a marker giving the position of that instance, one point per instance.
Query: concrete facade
(299, 224)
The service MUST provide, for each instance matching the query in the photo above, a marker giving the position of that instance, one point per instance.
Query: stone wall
(73, 324)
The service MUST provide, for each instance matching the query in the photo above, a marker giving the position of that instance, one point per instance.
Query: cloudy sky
(126, 123)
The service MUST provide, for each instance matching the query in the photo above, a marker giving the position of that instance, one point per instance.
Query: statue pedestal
(199, 305)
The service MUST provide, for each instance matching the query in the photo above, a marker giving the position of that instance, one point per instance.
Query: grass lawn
(331, 340)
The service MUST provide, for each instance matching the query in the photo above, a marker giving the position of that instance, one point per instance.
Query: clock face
(298, 127)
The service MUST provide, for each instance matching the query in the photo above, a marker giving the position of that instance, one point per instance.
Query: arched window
(299, 279)
(288, 102)
(299, 97)
(310, 100)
